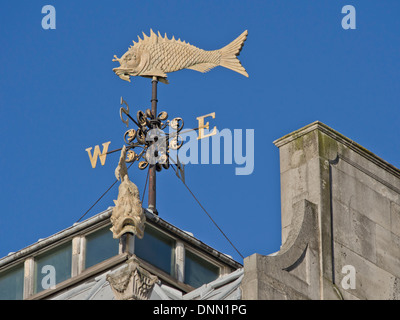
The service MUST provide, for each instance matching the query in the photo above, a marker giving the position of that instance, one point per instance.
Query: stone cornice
(317, 125)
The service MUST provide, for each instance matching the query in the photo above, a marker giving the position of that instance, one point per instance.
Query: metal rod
(112, 151)
(152, 168)
(133, 120)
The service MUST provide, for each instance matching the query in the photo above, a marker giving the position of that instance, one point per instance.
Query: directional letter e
(49, 20)
(349, 20)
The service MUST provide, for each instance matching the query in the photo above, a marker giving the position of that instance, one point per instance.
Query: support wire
(100, 198)
(195, 198)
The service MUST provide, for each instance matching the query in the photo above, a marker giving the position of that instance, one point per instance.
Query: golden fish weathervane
(155, 56)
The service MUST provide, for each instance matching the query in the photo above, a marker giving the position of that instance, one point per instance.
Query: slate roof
(226, 287)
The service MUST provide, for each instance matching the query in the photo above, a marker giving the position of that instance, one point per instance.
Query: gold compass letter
(96, 153)
(203, 126)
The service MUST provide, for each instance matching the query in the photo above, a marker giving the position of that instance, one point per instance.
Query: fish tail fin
(230, 52)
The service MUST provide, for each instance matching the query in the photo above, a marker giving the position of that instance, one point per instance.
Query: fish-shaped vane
(155, 56)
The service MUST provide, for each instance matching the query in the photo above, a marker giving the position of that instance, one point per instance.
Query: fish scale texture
(170, 57)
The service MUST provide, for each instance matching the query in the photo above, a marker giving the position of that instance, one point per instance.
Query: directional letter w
(96, 153)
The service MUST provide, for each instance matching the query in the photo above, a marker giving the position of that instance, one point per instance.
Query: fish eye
(131, 56)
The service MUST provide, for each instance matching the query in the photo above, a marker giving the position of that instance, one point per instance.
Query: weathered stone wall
(340, 212)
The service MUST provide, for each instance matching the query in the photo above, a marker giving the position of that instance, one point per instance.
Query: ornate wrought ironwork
(149, 144)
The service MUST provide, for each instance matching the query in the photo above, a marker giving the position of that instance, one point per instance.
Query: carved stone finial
(132, 282)
(127, 215)
(121, 170)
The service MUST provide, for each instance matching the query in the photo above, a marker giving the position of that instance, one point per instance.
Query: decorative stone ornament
(127, 215)
(155, 56)
(132, 282)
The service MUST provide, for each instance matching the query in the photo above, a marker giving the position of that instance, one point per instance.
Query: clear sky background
(59, 96)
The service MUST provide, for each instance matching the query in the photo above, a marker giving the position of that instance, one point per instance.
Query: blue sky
(59, 96)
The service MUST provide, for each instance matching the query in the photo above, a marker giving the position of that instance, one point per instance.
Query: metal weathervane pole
(152, 168)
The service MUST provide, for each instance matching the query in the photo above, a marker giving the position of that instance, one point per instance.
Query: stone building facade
(340, 223)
